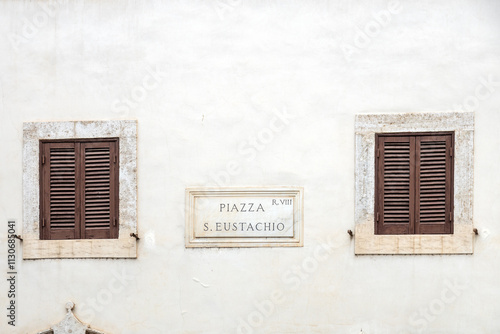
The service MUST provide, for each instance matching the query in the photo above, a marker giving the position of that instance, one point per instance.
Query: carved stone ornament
(70, 324)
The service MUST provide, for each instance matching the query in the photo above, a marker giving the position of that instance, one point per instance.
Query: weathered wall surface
(252, 93)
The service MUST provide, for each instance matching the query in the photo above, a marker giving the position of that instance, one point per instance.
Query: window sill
(34, 249)
(367, 243)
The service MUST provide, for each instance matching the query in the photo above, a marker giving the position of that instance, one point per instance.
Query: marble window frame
(123, 247)
(462, 240)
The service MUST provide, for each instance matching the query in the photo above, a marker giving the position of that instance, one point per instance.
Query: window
(79, 189)
(416, 215)
(414, 183)
(82, 161)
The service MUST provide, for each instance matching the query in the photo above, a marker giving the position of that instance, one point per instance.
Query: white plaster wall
(225, 67)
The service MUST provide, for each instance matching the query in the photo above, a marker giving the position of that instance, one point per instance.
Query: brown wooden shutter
(434, 186)
(100, 166)
(395, 178)
(414, 184)
(58, 200)
(79, 189)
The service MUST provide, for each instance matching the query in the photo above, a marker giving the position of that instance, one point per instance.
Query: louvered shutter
(434, 186)
(59, 214)
(414, 184)
(99, 218)
(395, 175)
(79, 189)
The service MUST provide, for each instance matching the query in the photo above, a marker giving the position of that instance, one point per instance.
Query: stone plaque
(244, 217)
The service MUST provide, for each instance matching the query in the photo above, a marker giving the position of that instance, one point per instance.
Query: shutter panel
(99, 191)
(79, 189)
(59, 200)
(395, 180)
(434, 187)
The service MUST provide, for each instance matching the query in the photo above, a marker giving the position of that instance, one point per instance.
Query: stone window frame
(462, 240)
(123, 247)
